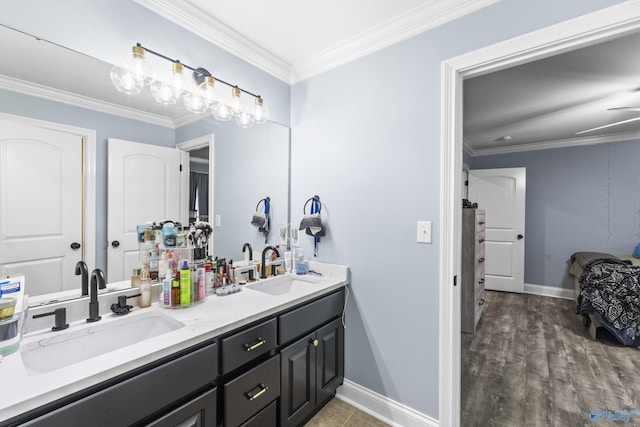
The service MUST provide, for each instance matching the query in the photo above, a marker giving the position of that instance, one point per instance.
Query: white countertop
(26, 390)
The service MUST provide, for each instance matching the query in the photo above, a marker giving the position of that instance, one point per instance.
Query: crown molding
(411, 23)
(55, 95)
(182, 13)
(546, 145)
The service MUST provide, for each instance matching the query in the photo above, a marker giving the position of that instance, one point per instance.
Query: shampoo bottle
(185, 283)
(175, 290)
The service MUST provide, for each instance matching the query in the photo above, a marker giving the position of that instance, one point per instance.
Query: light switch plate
(424, 232)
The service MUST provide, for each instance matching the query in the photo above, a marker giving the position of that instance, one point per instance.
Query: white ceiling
(297, 39)
(546, 102)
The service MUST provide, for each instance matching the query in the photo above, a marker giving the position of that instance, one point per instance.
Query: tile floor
(340, 414)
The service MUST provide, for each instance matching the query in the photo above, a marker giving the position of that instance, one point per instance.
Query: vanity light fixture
(198, 93)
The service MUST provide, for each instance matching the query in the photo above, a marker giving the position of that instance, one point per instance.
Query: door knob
(75, 246)
(520, 237)
(115, 243)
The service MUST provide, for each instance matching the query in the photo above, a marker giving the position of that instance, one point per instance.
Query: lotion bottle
(185, 283)
(145, 289)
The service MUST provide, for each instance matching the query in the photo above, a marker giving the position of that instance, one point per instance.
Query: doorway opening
(599, 26)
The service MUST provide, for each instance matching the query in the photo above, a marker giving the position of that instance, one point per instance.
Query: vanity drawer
(243, 347)
(252, 391)
(304, 319)
(268, 417)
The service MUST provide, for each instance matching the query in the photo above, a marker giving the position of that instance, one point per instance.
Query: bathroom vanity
(272, 354)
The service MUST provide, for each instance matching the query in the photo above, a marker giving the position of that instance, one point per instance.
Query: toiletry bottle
(231, 272)
(163, 264)
(145, 289)
(135, 277)
(288, 259)
(153, 263)
(175, 290)
(209, 279)
(185, 283)
(194, 284)
(165, 293)
(202, 288)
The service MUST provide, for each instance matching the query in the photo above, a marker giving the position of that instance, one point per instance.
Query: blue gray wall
(366, 139)
(578, 199)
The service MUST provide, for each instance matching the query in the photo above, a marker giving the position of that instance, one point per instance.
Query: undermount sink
(281, 285)
(61, 349)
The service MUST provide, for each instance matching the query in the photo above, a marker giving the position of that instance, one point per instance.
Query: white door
(40, 206)
(143, 185)
(501, 193)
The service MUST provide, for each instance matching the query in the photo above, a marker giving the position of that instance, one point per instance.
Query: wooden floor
(532, 363)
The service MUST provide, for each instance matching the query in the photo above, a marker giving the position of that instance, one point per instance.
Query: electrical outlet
(218, 221)
(424, 232)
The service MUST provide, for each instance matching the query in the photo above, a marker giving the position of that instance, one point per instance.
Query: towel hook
(266, 200)
(316, 199)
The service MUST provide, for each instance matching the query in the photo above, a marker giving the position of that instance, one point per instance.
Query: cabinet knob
(115, 243)
(314, 342)
(480, 240)
(481, 259)
(481, 301)
(75, 246)
(481, 281)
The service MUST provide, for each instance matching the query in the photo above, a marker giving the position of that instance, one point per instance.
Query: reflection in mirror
(249, 163)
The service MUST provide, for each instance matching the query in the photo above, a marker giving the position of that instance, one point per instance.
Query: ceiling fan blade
(624, 108)
(609, 125)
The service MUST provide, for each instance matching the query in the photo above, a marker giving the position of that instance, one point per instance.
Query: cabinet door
(330, 360)
(200, 412)
(298, 394)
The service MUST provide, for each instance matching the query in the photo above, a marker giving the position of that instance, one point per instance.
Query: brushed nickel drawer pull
(263, 390)
(260, 342)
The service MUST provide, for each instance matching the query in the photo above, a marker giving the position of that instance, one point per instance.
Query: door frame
(196, 144)
(575, 33)
(89, 172)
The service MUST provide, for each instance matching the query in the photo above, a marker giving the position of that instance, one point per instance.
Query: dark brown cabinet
(311, 370)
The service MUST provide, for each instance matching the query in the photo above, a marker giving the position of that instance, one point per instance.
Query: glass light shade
(164, 93)
(236, 102)
(222, 111)
(168, 92)
(206, 91)
(124, 81)
(133, 72)
(261, 112)
(245, 119)
(194, 102)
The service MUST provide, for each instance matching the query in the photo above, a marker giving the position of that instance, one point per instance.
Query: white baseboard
(385, 409)
(548, 291)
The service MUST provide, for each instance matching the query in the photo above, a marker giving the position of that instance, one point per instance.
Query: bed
(607, 293)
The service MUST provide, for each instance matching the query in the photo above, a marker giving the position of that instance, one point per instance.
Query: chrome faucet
(245, 247)
(81, 268)
(97, 279)
(263, 267)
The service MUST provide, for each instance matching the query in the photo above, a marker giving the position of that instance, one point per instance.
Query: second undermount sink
(61, 349)
(281, 285)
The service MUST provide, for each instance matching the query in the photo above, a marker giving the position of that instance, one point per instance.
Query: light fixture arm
(200, 71)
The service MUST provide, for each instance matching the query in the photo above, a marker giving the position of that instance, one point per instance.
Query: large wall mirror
(50, 83)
